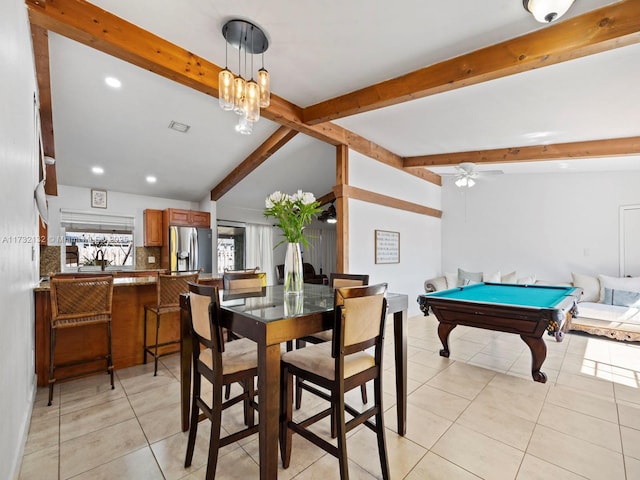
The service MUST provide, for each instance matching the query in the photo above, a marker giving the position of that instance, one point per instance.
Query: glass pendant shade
(252, 101)
(239, 95)
(244, 126)
(225, 89)
(265, 88)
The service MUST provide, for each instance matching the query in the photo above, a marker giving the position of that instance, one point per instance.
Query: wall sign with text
(387, 246)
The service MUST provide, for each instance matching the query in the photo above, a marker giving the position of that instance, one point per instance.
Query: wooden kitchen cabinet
(153, 228)
(200, 219)
(188, 218)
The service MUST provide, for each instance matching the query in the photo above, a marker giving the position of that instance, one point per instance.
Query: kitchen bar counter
(132, 291)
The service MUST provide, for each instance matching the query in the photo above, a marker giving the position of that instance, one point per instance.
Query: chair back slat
(203, 309)
(244, 281)
(363, 319)
(343, 280)
(81, 297)
(359, 317)
(170, 287)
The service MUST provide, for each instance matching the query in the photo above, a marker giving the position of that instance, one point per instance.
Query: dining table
(271, 318)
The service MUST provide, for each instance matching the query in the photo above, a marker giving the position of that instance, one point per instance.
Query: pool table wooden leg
(538, 354)
(444, 329)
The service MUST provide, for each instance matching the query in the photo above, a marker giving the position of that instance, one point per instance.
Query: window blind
(72, 220)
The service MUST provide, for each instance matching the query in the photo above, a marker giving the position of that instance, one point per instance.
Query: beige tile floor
(475, 415)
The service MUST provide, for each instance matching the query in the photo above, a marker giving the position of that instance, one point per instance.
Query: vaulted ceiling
(409, 83)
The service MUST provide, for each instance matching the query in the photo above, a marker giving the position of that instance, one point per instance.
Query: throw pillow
(452, 279)
(528, 280)
(629, 284)
(590, 286)
(491, 277)
(509, 277)
(621, 298)
(467, 278)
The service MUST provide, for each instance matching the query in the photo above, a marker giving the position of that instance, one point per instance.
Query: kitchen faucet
(98, 254)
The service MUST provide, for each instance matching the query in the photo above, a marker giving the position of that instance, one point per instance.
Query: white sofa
(609, 306)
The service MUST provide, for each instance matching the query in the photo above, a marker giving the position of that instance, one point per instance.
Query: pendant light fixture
(244, 97)
(546, 11)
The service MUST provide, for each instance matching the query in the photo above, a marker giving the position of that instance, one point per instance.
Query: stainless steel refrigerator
(190, 249)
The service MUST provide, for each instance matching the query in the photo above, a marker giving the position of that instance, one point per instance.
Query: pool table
(527, 310)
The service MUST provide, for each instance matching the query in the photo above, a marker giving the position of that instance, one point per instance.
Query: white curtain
(321, 252)
(329, 260)
(260, 250)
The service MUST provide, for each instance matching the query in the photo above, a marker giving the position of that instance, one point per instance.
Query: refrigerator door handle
(193, 260)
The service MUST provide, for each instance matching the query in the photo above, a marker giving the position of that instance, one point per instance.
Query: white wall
(19, 254)
(547, 225)
(420, 235)
(79, 198)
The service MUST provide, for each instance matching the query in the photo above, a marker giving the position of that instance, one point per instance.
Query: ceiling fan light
(546, 11)
(470, 182)
(461, 182)
(225, 89)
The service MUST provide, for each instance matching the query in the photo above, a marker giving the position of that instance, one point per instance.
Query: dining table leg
(400, 347)
(268, 408)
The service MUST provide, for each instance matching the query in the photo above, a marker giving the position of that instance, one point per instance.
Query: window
(95, 241)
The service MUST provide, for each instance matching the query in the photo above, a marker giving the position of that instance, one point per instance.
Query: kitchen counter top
(129, 278)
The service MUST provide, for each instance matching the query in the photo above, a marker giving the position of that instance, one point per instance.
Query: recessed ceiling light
(151, 179)
(563, 165)
(179, 127)
(113, 82)
(97, 170)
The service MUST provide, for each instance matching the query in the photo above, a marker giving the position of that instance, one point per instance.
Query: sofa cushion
(511, 277)
(491, 277)
(590, 286)
(528, 280)
(467, 278)
(621, 298)
(452, 279)
(608, 313)
(629, 284)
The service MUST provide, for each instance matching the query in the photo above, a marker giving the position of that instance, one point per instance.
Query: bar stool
(219, 365)
(168, 289)
(336, 280)
(337, 367)
(79, 302)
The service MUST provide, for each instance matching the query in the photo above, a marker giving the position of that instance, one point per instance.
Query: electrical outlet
(151, 259)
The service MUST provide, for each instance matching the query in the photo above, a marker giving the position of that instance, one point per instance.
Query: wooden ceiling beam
(40, 39)
(612, 26)
(253, 161)
(99, 29)
(614, 147)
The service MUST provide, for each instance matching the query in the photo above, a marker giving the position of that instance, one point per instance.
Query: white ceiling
(319, 50)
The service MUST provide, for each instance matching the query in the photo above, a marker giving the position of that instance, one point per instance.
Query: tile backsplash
(142, 258)
(50, 259)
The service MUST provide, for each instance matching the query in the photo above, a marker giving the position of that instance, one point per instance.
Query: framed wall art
(98, 198)
(387, 246)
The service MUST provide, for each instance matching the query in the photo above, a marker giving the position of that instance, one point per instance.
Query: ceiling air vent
(179, 127)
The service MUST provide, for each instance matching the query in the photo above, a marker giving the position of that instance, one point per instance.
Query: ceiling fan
(466, 174)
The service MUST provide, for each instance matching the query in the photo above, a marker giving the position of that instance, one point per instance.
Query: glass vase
(293, 279)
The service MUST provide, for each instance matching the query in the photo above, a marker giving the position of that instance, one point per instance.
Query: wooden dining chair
(79, 302)
(338, 367)
(244, 281)
(336, 280)
(220, 366)
(169, 287)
